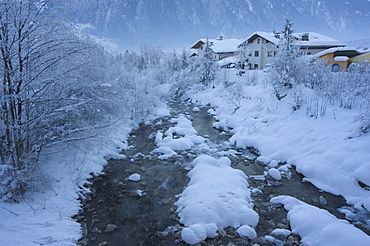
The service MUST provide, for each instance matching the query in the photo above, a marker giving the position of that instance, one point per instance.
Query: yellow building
(340, 58)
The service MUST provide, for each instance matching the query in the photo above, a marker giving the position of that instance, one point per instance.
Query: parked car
(229, 65)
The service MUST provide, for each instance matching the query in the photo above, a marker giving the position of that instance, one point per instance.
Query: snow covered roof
(335, 49)
(313, 39)
(266, 35)
(219, 45)
(305, 39)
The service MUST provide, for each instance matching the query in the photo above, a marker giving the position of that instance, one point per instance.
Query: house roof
(266, 35)
(311, 40)
(219, 45)
(343, 51)
(316, 39)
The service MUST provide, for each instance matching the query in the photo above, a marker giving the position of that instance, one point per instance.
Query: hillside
(178, 23)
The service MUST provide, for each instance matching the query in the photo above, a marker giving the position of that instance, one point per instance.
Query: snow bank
(217, 196)
(323, 149)
(44, 217)
(318, 226)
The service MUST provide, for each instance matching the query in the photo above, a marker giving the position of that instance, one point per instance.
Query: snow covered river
(184, 183)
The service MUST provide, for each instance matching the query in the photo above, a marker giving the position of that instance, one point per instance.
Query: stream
(123, 212)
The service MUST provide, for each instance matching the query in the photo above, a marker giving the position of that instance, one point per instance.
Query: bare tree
(34, 49)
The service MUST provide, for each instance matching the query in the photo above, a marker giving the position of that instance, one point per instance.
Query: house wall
(264, 49)
(216, 56)
(312, 51)
(220, 56)
(335, 66)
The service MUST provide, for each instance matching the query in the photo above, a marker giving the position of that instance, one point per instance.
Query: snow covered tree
(42, 101)
(173, 62)
(184, 59)
(204, 66)
(286, 65)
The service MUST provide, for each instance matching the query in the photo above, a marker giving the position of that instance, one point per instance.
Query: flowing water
(123, 212)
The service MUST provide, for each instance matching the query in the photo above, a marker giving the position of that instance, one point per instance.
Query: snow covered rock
(273, 164)
(216, 194)
(198, 232)
(134, 177)
(180, 137)
(247, 231)
(273, 172)
(262, 160)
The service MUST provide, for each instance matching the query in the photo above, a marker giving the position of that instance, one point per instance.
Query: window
(256, 53)
(255, 66)
(305, 37)
(258, 41)
(270, 53)
(250, 53)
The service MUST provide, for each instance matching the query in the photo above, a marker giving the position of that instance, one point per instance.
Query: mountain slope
(180, 23)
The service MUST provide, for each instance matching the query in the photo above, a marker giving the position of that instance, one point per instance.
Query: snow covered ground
(328, 151)
(45, 218)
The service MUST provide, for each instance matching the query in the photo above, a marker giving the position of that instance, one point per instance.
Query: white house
(260, 47)
(221, 48)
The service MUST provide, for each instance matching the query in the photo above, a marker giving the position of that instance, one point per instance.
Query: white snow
(273, 172)
(134, 177)
(198, 232)
(341, 58)
(273, 163)
(246, 231)
(318, 226)
(180, 137)
(314, 39)
(322, 149)
(216, 195)
(281, 232)
(328, 150)
(45, 217)
(263, 159)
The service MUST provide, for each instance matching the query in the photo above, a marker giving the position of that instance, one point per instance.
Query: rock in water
(273, 172)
